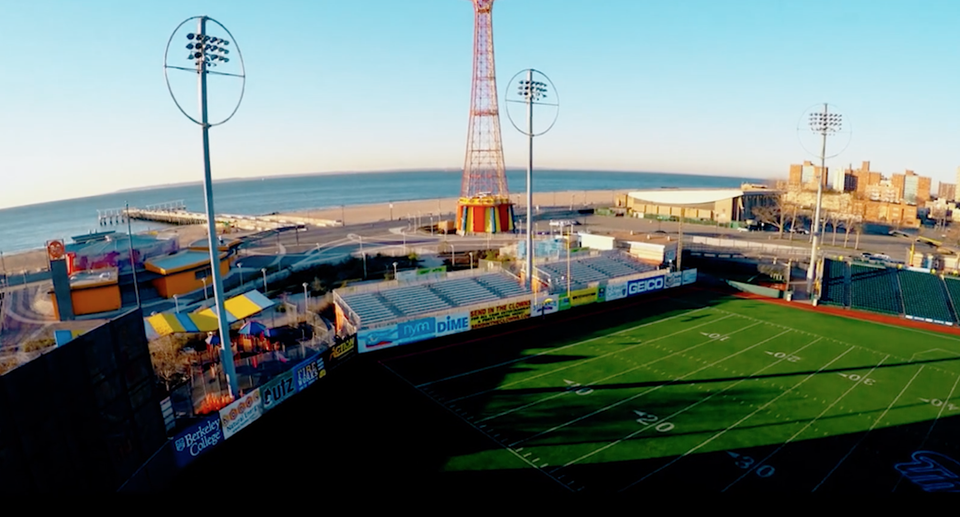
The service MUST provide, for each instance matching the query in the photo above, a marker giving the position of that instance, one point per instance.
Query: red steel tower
(484, 205)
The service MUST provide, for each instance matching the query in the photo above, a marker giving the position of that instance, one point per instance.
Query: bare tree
(770, 214)
(858, 229)
(170, 362)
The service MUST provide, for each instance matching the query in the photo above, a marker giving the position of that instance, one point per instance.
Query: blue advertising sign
(196, 440)
(646, 285)
(452, 324)
(416, 330)
(309, 371)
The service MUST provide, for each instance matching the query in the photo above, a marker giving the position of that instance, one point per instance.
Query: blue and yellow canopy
(238, 308)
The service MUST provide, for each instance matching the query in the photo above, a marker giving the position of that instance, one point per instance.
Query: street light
(471, 261)
(822, 123)
(264, 271)
(176, 304)
(394, 270)
(204, 279)
(207, 52)
(531, 93)
(305, 299)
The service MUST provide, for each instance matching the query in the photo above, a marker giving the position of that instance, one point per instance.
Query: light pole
(394, 270)
(176, 304)
(530, 93)
(364, 256)
(207, 52)
(305, 299)
(471, 261)
(133, 263)
(822, 123)
(264, 272)
(204, 279)
(453, 256)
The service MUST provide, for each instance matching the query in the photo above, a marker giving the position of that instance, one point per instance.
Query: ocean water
(29, 227)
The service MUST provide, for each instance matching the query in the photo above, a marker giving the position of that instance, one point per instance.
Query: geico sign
(642, 286)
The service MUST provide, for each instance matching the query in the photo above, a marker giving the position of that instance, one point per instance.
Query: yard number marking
(745, 462)
(572, 385)
(781, 355)
(938, 403)
(719, 337)
(854, 377)
(650, 419)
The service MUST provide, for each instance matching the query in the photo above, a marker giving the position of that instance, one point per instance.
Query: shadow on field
(366, 431)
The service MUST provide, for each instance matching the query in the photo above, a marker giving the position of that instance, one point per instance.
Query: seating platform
(925, 296)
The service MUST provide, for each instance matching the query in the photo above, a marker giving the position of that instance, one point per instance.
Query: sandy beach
(34, 260)
(361, 214)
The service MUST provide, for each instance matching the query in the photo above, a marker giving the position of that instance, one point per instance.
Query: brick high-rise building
(805, 175)
(947, 191)
(912, 188)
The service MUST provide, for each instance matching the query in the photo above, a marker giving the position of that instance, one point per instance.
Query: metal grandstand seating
(875, 289)
(502, 285)
(834, 284)
(591, 269)
(415, 299)
(393, 303)
(925, 296)
(463, 291)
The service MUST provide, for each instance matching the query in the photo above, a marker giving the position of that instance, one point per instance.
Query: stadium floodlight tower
(205, 53)
(531, 93)
(823, 121)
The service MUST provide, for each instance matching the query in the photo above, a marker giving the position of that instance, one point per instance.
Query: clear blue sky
(700, 86)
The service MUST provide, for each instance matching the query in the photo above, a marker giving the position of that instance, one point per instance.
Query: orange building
(185, 271)
(92, 292)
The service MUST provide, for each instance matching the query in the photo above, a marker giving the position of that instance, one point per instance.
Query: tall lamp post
(205, 53)
(305, 298)
(822, 122)
(530, 93)
(264, 271)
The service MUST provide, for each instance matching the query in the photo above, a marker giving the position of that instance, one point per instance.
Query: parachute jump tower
(484, 205)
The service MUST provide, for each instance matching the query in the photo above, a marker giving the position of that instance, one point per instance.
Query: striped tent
(238, 308)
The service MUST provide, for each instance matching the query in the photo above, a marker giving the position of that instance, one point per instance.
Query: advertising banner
(563, 302)
(673, 280)
(196, 440)
(646, 285)
(309, 372)
(583, 296)
(453, 324)
(499, 314)
(240, 413)
(342, 349)
(689, 276)
(545, 306)
(615, 290)
(277, 390)
(375, 339)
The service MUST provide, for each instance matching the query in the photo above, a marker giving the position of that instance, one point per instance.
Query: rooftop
(180, 261)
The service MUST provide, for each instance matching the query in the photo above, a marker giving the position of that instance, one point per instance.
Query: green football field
(706, 392)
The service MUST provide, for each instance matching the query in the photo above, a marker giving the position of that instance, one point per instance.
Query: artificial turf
(703, 391)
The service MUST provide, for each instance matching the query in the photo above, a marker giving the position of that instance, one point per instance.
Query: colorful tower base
(484, 215)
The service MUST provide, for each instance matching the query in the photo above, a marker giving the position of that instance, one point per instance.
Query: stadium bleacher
(590, 269)
(413, 300)
(875, 289)
(925, 296)
(833, 289)
(953, 291)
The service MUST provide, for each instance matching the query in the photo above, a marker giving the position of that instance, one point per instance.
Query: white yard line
(691, 406)
(579, 363)
(738, 422)
(864, 437)
(515, 453)
(798, 433)
(628, 370)
(628, 399)
(553, 350)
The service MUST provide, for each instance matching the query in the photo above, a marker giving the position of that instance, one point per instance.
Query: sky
(698, 86)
